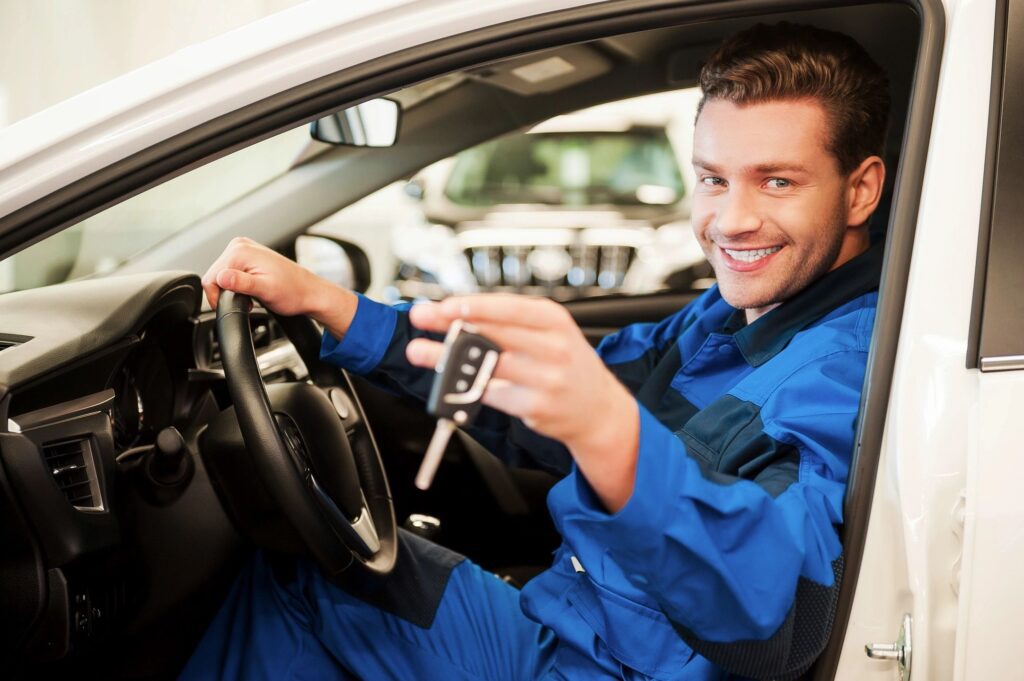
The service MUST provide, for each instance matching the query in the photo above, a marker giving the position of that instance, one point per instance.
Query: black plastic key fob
(462, 374)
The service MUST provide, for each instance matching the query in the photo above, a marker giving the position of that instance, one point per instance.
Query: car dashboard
(94, 375)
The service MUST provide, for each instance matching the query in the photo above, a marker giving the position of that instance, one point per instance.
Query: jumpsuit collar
(768, 335)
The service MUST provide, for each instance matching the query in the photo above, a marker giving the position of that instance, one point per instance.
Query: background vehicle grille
(559, 271)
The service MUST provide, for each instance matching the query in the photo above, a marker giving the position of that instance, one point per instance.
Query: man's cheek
(700, 221)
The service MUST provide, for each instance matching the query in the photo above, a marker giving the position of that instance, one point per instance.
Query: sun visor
(547, 71)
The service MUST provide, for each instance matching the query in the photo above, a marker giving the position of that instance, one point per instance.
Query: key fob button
(474, 353)
(461, 385)
(468, 369)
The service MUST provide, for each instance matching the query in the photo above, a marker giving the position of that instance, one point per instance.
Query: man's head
(787, 153)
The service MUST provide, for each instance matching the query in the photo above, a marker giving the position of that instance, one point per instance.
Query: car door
(945, 502)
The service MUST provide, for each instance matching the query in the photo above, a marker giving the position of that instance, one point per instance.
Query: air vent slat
(72, 485)
(70, 464)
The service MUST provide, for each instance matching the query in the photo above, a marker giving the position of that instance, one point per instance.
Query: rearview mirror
(370, 124)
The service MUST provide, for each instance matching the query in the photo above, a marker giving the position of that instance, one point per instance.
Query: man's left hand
(550, 377)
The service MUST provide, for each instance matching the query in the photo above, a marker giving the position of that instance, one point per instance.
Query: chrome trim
(366, 530)
(479, 384)
(283, 357)
(1005, 363)
(64, 411)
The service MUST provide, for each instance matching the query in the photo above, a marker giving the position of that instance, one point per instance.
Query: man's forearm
(334, 308)
(607, 456)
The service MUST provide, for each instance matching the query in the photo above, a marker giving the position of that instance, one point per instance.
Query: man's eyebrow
(768, 168)
(705, 164)
(759, 169)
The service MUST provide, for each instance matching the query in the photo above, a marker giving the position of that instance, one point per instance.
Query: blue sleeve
(374, 347)
(725, 556)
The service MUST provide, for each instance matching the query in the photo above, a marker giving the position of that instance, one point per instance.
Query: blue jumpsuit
(725, 562)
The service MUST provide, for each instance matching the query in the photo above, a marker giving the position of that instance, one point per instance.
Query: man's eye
(779, 183)
(712, 181)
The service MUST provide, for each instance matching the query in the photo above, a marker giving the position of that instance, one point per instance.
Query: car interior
(127, 500)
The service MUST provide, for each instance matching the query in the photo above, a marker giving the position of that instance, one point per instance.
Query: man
(704, 457)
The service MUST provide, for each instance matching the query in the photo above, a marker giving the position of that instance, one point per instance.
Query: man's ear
(865, 190)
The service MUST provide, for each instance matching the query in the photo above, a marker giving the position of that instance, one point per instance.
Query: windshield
(577, 169)
(106, 240)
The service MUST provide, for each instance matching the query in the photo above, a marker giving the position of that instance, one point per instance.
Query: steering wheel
(310, 446)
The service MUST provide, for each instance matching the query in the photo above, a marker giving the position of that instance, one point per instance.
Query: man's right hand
(280, 284)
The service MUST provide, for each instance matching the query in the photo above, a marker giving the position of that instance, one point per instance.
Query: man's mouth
(751, 255)
(748, 259)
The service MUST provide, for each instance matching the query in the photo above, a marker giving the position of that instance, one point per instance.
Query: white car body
(945, 526)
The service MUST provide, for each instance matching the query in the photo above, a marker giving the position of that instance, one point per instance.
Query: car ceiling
(455, 111)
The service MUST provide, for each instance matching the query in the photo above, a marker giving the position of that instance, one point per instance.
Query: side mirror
(370, 124)
(339, 262)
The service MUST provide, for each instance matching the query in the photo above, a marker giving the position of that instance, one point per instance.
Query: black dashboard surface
(44, 329)
(93, 553)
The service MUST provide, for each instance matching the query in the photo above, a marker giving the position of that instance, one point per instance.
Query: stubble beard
(805, 268)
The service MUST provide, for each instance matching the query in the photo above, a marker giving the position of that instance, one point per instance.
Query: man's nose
(737, 214)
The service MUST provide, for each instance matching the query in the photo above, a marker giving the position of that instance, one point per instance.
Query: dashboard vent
(71, 465)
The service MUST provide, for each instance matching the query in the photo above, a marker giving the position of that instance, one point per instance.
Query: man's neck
(754, 313)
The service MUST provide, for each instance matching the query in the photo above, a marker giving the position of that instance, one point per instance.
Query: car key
(461, 376)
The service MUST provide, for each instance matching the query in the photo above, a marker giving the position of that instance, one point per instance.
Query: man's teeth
(752, 255)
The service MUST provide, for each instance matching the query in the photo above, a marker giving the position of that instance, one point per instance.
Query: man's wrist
(333, 307)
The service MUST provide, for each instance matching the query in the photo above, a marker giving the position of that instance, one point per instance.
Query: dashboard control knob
(170, 464)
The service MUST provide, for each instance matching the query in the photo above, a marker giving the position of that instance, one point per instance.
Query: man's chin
(744, 300)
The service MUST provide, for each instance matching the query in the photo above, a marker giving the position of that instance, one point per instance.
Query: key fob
(462, 373)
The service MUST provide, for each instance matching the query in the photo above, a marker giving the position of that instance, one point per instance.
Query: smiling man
(703, 459)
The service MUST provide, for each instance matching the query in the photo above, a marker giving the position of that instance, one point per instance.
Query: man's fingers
(515, 400)
(527, 341)
(514, 336)
(423, 352)
(538, 313)
(239, 282)
(212, 292)
(512, 368)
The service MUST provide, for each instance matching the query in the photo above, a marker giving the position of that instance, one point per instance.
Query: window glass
(569, 169)
(102, 242)
(588, 203)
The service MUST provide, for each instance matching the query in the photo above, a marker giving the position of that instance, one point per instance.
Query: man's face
(770, 207)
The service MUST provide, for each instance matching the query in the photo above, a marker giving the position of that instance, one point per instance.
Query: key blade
(435, 452)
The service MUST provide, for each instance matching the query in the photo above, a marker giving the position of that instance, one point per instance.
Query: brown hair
(790, 61)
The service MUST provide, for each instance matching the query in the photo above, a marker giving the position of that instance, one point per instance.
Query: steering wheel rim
(300, 450)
